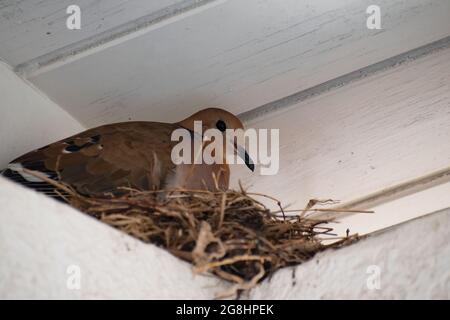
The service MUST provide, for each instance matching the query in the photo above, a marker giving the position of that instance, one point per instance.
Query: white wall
(40, 238)
(28, 119)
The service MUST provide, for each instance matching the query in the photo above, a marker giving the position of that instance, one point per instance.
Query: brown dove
(127, 154)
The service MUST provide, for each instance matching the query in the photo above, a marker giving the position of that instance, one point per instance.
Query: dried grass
(227, 233)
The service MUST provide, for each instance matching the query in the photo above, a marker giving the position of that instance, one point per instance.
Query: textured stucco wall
(42, 241)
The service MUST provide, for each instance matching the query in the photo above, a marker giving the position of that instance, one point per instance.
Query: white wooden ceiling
(29, 29)
(163, 59)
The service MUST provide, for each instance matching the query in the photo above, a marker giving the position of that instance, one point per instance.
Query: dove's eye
(221, 125)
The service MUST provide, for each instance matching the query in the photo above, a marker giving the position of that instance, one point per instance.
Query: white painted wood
(395, 212)
(41, 238)
(239, 55)
(28, 119)
(29, 29)
(365, 137)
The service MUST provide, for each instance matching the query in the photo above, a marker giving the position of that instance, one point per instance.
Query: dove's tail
(15, 172)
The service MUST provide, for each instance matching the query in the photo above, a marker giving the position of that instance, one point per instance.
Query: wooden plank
(29, 29)
(395, 212)
(240, 55)
(28, 120)
(366, 137)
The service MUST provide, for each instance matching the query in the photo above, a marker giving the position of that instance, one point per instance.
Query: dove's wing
(103, 159)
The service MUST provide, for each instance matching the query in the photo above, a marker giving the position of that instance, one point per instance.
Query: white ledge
(41, 238)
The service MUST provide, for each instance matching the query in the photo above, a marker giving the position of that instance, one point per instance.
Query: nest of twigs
(227, 233)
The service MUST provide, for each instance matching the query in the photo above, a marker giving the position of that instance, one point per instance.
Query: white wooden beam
(35, 33)
(384, 65)
(238, 55)
(28, 119)
(374, 141)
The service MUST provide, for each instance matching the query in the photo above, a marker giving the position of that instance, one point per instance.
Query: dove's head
(215, 118)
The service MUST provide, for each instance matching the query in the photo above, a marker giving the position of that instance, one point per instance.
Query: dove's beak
(243, 154)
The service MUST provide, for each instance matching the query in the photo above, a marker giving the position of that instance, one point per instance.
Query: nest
(227, 233)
